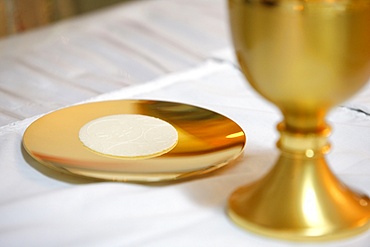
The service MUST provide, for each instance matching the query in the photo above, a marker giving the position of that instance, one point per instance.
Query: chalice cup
(304, 56)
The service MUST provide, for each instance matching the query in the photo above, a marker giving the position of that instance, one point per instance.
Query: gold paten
(207, 141)
(305, 57)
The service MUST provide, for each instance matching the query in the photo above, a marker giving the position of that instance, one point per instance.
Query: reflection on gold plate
(207, 141)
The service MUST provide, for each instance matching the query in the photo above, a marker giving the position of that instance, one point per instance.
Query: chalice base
(300, 199)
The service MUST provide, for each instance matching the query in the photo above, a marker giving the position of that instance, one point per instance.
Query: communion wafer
(129, 135)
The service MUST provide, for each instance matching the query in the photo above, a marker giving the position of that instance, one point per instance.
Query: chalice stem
(300, 198)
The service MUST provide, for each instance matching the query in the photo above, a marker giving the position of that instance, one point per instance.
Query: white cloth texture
(124, 45)
(39, 207)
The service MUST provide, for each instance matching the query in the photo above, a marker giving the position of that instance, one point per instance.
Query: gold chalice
(304, 56)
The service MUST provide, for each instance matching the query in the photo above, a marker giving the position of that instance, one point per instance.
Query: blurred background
(21, 15)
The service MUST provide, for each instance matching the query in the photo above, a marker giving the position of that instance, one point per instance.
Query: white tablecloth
(39, 207)
(124, 45)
